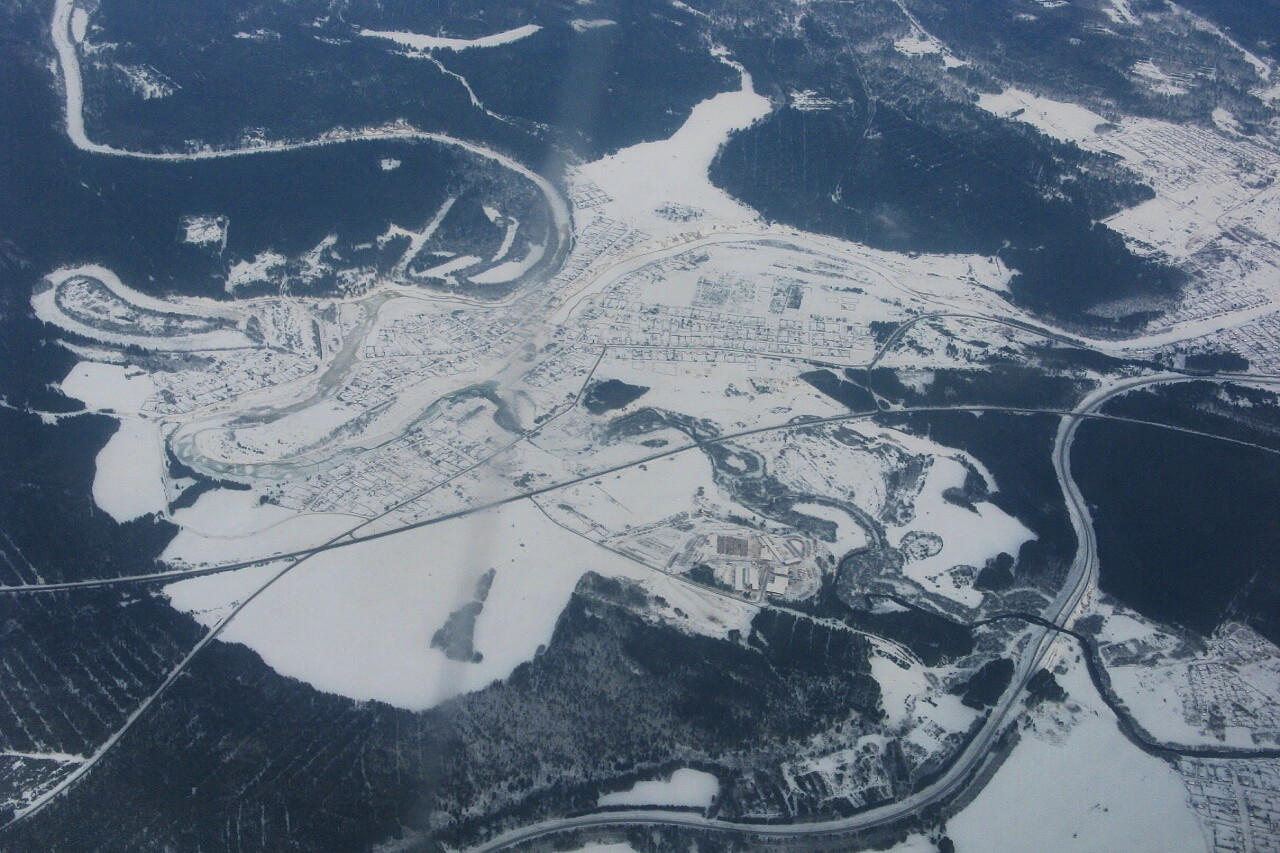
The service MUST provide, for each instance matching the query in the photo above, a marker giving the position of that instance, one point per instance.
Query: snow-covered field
(1064, 121)
(684, 787)
(1156, 78)
(79, 25)
(1225, 694)
(910, 696)
(582, 25)
(1074, 782)
(969, 538)
(1121, 12)
(418, 41)
(227, 526)
(128, 479)
(643, 178)
(645, 494)
(1209, 184)
(358, 620)
(718, 329)
(920, 43)
(509, 270)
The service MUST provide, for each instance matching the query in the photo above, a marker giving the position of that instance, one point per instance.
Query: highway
(1081, 580)
(351, 537)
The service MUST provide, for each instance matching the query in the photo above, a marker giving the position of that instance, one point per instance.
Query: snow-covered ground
(188, 305)
(128, 475)
(1120, 12)
(261, 268)
(417, 41)
(969, 538)
(1157, 698)
(1261, 68)
(645, 494)
(1225, 694)
(279, 439)
(1270, 94)
(1211, 185)
(582, 25)
(1159, 81)
(1068, 122)
(684, 787)
(243, 530)
(1076, 783)
(358, 620)
(509, 270)
(120, 300)
(850, 536)
(643, 178)
(449, 267)
(79, 25)
(910, 696)
(230, 513)
(1225, 121)
(920, 43)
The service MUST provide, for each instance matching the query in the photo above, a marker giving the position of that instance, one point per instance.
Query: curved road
(1062, 611)
(1081, 579)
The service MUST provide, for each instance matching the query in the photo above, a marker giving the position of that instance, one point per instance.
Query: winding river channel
(1046, 629)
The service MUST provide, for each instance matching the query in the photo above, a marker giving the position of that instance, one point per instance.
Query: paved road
(1062, 611)
(1082, 576)
(1081, 579)
(353, 538)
